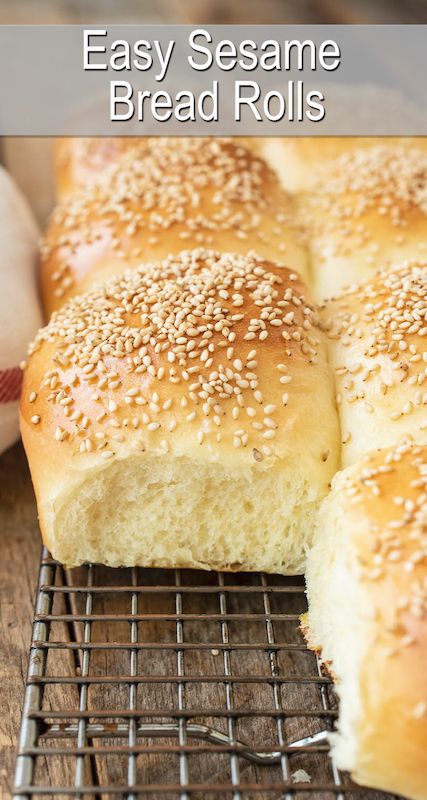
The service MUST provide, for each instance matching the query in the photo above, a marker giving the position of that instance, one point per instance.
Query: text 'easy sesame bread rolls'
(182, 415)
(377, 337)
(365, 206)
(367, 590)
(164, 196)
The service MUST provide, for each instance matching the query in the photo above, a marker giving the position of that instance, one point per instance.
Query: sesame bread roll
(82, 161)
(367, 205)
(367, 591)
(165, 196)
(182, 415)
(377, 336)
(298, 159)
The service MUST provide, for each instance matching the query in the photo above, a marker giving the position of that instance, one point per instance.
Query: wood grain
(19, 556)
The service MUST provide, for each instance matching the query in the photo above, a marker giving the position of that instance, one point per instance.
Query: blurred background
(213, 11)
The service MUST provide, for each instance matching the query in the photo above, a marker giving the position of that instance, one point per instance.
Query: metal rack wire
(186, 685)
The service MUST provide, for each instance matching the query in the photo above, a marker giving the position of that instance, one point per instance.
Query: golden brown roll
(182, 415)
(299, 159)
(82, 161)
(162, 197)
(366, 207)
(367, 590)
(377, 337)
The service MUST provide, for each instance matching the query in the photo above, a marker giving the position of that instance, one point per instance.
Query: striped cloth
(19, 308)
(10, 384)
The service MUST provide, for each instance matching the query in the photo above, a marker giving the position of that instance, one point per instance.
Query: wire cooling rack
(161, 684)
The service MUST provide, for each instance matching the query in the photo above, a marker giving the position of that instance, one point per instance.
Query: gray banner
(231, 80)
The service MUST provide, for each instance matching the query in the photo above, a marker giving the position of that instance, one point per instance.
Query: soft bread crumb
(150, 510)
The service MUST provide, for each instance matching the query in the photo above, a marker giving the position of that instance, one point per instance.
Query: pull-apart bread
(182, 415)
(377, 343)
(164, 196)
(365, 207)
(298, 159)
(367, 591)
(81, 161)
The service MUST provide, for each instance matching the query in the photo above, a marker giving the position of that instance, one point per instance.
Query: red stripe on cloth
(10, 384)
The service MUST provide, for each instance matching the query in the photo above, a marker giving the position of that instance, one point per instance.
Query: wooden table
(19, 556)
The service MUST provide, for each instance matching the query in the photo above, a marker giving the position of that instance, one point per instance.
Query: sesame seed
(184, 306)
(153, 426)
(269, 423)
(107, 454)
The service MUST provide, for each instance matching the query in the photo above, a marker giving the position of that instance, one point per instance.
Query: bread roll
(80, 161)
(182, 415)
(367, 591)
(377, 336)
(366, 205)
(298, 159)
(165, 196)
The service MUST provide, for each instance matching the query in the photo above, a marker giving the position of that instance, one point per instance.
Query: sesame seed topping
(392, 532)
(202, 187)
(157, 337)
(384, 320)
(389, 182)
